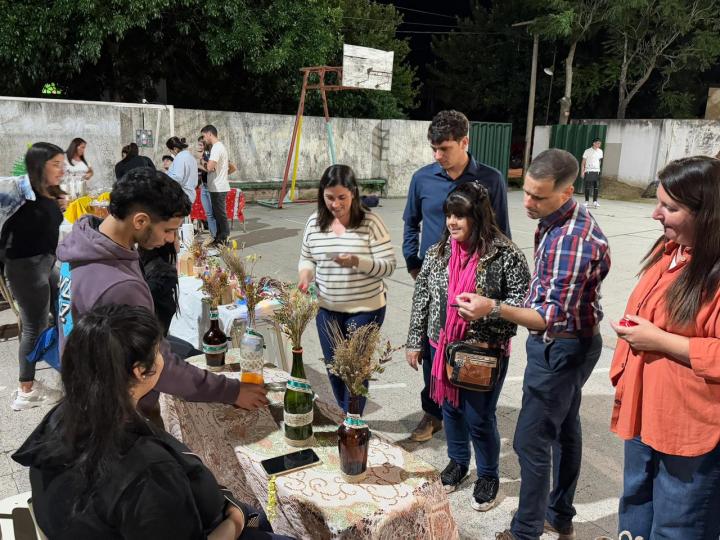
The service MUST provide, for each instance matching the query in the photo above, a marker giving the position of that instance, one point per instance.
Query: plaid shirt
(572, 257)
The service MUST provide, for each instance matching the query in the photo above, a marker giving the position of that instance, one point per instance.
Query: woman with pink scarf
(472, 256)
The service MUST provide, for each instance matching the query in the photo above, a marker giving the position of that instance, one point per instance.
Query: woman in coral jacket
(666, 368)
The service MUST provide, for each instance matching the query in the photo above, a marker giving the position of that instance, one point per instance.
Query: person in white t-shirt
(218, 167)
(590, 171)
(77, 170)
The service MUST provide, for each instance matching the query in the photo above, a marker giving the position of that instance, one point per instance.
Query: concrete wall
(257, 143)
(636, 149)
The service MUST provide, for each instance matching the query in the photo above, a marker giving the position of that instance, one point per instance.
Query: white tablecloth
(192, 318)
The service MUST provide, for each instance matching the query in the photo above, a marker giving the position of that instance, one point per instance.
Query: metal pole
(301, 108)
(531, 104)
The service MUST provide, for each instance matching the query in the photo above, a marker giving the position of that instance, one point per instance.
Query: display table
(401, 497)
(192, 320)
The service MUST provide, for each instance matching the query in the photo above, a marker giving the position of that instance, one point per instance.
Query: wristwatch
(495, 311)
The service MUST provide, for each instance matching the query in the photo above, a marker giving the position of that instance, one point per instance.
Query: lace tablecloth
(401, 498)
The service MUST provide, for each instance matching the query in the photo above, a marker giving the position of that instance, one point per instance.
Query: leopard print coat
(502, 274)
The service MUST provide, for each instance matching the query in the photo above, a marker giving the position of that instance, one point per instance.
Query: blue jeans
(207, 206)
(549, 425)
(324, 317)
(668, 497)
(474, 420)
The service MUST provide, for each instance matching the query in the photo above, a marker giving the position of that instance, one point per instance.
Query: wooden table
(401, 498)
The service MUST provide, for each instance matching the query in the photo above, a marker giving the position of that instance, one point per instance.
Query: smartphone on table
(290, 462)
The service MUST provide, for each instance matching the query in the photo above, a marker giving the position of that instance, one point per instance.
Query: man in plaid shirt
(562, 312)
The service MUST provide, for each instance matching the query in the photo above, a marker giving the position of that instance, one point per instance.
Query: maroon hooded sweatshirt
(104, 272)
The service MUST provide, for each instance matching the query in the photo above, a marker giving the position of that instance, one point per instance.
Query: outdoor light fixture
(549, 71)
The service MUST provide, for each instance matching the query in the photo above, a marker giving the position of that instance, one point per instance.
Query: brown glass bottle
(214, 342)
(353, 443)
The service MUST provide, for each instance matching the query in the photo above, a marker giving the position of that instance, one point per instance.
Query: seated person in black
(159, 266)
(100, 470)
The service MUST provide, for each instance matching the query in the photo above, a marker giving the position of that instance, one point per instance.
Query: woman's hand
(304, 280)
(235, 515)
(472, 306)
(62, 202)
(643, 336)
(346, 260)
(414, 359)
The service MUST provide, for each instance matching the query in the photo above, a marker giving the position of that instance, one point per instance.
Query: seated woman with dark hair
(131, 159)
(98, 469)
(160, 270)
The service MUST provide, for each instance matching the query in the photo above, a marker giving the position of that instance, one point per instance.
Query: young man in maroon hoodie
(100, 265)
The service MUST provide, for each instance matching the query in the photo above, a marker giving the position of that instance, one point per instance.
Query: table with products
(401, 497)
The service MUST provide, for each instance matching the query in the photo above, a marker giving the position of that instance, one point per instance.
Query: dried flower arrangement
(358, 355)
(198, 251)
(253, 289)
(214, 282)
(296, 311)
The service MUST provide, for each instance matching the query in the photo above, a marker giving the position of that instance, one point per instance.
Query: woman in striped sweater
(346, 249)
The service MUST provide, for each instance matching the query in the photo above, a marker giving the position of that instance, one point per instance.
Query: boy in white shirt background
(590, 171)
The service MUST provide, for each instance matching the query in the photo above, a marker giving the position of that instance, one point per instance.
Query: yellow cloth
(103, 197)
(78, 208)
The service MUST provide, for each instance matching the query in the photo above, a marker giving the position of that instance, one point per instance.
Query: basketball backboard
(367, 68)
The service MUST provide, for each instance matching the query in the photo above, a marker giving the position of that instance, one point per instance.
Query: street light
(551, 73)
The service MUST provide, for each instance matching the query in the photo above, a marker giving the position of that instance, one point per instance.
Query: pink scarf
(461, 278)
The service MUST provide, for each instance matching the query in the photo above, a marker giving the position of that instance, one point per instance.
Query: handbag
(473, 366)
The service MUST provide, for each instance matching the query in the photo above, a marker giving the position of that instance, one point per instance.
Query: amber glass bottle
(214, 342)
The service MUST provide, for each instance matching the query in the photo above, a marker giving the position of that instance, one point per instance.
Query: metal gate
(490, 144)
(576, 138)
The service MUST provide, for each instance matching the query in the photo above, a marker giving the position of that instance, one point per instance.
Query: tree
(574, 21)
(664, 35)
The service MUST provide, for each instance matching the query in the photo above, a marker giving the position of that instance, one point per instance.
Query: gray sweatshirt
(104, 272)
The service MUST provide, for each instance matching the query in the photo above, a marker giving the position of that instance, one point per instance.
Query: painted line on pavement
(389, 385)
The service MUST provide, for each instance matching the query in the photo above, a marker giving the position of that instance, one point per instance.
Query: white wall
(636, 149)
(257, 143)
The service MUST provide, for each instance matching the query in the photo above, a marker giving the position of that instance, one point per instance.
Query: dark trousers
(428, 405)
(217, 199)
(669, 497)
(549, 426)
(33, 281)
(591, 183)
(474, 420)
(346, 321)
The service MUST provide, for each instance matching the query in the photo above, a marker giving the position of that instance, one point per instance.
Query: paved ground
(393, 408)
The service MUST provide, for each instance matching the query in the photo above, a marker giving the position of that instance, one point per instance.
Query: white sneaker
(586, 204)
(39, 395)
(596, 204)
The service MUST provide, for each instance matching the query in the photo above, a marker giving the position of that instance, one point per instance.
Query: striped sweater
(349, 290)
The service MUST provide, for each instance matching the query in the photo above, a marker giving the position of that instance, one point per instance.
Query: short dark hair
(448, 126)
(596, 140)
(209, 129)
(167, 157)
(35, 159)
(339, 175)
(559, 165)
(147, 190)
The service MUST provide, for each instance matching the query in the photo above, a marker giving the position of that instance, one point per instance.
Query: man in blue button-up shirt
(429, 187)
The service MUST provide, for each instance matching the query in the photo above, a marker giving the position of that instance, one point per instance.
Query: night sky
(439, 17)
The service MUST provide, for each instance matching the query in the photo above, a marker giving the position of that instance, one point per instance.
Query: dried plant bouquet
(213, 284)
(253, 289)
(198, 251)
(296, 311)
(359, 355)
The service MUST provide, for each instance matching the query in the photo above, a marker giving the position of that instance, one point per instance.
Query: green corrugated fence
(576, 138)
(490, 144)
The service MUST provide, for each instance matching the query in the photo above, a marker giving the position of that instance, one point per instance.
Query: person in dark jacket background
(98, 469)
(131, 159)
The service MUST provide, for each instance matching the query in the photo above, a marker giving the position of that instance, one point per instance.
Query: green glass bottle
(298, 410)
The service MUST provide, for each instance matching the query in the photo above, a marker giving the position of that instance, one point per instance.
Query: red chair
(234, 207)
